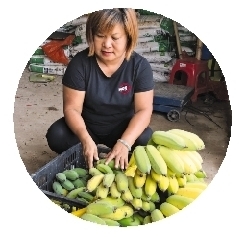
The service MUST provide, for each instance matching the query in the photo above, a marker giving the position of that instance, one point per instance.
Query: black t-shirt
(108, 101)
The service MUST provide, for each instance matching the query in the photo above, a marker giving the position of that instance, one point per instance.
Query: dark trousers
(60, 138)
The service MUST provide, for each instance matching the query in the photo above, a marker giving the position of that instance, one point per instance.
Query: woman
(107, 91)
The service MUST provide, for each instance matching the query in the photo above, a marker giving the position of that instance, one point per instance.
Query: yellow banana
(99, 208)
(94, 182)
(114, 191)
(127, 196)
(136, 192)
(128, 210)
(154, 175)
(198, 156)
(181, 181)
(179, 201)
(79, 212)
(139, 180)
(170, 140)
(130, 171)
(142, 160)
(157, 162)
(172, 160)
(150, 186)
(132, 160)
(171, 173)
(189, 192)
(194, 159)
(173, 185)
(195, 184)
(137, 203)
(101, 191)
(145, 206)
(163, 183)
(116, 202)
(168, 209)
(116, 215)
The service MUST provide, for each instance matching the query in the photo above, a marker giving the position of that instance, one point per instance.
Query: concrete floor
(38, 105)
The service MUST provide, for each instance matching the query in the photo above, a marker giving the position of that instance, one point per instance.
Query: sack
(54, 49)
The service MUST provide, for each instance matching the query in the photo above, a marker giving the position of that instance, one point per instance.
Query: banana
(179, 201)
(193, 141)
(182, 181)
(68, 185)
(101, 191)
(114, 193)
(129, 221)
(170, 140)
(145, 197)
(60, 177)
(155, 197)
(152, 206)
(132, 160)
(130, 171)
(83, 201)
(150, 186)
(173, 185)
(122, 182)
(151, 142)
(157, 162)
(194, 159)
(172, 159)
(119, 202)
(137, 203)
(102, 160)
(168, 209)
(100, 208)
(189, 192)
(198, 156)
(142, 160)
(190, 177)
(155, 176)
(163, 183)
(94, 182)
(110, 222)
(139, 180)
(127, 196)
(136, 192)
(200, 174)
(78, 183)
(103, 168)
(73, 193)
(156, 215)
(92, 218)
(145, 206)
(147, 220)
(80, 171)
(108, 180)
(71, 174)
(116, 215)
(127, 209)
(139, 217)
(170, 173)
(79, 212)
(57, 188)
(94, 171)
(89, 197)
(189, 166)
(195, 184)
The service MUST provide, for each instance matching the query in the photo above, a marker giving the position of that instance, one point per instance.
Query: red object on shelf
(193, 73)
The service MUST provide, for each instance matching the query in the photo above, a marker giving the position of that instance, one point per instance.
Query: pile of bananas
(161, 179)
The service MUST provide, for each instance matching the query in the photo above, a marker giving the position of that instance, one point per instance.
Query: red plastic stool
(194, 73)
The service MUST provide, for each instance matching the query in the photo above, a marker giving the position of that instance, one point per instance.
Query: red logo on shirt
(124, 88)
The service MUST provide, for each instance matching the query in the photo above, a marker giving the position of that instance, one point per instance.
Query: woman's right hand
(90, 152)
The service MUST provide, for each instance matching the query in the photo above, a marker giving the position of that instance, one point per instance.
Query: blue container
(206, 54)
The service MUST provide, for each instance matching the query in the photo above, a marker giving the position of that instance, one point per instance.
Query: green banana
(68, 185)
(147, 220)
(179, 201)
(156, 215)
(136, 192)
(94, 182)
(170, 140)
(73, 193)
(71, 174)
(100, 208)
(80, 171)
(129, 221)
(57, 188)
(92, 218)
(78, 183)
(122, 182)
(155, 197)
(139, 217)
(157, 162)
(108, 180)
(200, 174)
(94, 171)
(142, 160)
(152, 206)
(116, 202)
(145, 206)
(89, 197)
(60, 177)
(83, 201)
(116, 215)
(103, 168)
(111, 222)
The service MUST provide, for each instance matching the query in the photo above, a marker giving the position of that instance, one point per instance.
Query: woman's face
(112, 46)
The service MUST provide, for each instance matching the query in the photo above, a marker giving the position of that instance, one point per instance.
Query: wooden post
(199, 49)
(177, 39)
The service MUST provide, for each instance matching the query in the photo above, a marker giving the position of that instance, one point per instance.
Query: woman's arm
(72, 107)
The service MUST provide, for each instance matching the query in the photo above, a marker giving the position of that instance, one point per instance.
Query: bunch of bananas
(170, 164)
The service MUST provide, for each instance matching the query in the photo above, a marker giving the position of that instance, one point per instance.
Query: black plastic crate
(45, 176)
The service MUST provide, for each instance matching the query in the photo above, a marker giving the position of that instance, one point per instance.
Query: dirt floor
(38, 105)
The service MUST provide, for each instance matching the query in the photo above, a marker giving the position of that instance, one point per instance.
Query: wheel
(173, 115)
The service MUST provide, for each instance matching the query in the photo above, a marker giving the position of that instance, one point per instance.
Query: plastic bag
(54, 49)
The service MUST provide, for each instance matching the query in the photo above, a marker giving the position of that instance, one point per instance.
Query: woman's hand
(90, 152)
(120, 153)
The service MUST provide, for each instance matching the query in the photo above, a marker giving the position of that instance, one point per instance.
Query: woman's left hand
(120, 153)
